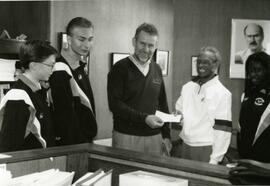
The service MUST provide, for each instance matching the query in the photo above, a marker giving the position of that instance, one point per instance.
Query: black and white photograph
(134, 92)
(248, 37)
(162, 59)
(194, 71)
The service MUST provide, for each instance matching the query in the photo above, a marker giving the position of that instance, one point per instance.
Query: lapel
(263, 124)
(75, 88)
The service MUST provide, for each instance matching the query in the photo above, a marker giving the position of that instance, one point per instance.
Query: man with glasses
(72, 96)
(205, 105)
(25, 118)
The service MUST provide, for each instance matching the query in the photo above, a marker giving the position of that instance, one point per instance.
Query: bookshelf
(8, 57)
(83, 158)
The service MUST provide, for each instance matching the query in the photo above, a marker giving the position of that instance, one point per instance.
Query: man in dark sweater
(73, 99)
(135, 91)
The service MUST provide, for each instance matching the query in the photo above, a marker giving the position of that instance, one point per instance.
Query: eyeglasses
(47, 65)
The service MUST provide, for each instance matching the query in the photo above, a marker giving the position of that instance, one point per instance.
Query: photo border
(117, 56)
(238, 44)
(162, 59)
(194, 72)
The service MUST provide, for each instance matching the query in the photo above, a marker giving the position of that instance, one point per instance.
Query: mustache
(253, 43)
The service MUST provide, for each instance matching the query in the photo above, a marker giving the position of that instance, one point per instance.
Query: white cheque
(168, 117)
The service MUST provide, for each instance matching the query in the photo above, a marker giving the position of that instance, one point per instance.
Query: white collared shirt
(144, 69)
(244, 54)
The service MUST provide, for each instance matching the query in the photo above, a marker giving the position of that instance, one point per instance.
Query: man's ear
(133, 41)
(32, 66)
(215, 68)
(68, 40)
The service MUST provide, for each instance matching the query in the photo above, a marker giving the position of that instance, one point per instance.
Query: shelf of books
(91, 164)
(9, 61)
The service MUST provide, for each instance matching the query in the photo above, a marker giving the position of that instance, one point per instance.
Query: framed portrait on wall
(116, 56)
(248, 36)
(194, 72)
(162, 59)
(63, 41)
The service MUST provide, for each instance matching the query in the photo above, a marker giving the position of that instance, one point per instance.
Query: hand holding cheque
(168, 117)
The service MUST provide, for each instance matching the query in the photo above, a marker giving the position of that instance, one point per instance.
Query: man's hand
(154, 121)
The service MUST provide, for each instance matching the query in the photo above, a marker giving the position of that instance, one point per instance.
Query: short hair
(148, 28)
(78, 22)
(259, 26)
(35, 51)
(261, 57)
(215, 57)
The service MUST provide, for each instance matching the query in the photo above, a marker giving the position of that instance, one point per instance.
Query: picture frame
(240, 44)
(117, 56)
(194, 72)
(162, 59)
(63, 42)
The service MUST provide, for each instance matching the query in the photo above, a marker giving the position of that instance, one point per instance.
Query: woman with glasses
(25, 120)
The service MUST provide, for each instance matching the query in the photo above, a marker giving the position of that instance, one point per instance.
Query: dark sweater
(252, 108)
(16, 116)
(75, 123)
(132, 96)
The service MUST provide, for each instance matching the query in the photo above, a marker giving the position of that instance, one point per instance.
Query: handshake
(157, 120)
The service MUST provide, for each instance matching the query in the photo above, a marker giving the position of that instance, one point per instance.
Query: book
(143, 178)
(59, 178)
(5, 177)
(97, 178)
(52, 177)
(7, 69)
(104, 180)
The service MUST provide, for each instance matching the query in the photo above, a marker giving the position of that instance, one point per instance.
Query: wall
(199, 23)
(184, 25)
(29, 18)
(115, 22)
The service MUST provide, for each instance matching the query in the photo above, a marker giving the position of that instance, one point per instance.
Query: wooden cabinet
(89, 157)
(31, 18)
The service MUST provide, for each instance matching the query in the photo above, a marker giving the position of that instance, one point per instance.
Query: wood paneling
(121, 166)
(78, 163)
(115, 22)
(89, 157)
(26, 17)
(28, 167)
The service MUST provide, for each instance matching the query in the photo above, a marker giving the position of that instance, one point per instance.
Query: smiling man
(205, 105)
(135, 91)
(73, 100)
